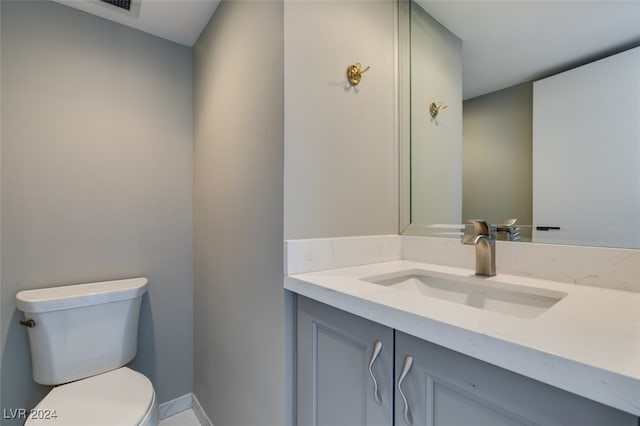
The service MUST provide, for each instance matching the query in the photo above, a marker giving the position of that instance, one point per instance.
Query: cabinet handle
(377, 347)
(406, 366)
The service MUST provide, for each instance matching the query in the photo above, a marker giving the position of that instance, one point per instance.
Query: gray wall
(436, 144)
(239, 300)
(96, 179)
(341, 159)
(1, 121)
(497, 156)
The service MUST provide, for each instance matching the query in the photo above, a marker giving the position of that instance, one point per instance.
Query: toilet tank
(82, 330)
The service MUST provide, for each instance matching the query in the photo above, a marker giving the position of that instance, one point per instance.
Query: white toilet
(81, 337)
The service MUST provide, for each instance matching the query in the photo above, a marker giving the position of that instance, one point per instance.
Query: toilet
(81, 338)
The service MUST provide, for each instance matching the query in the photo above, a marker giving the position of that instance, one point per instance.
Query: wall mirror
(536, 126)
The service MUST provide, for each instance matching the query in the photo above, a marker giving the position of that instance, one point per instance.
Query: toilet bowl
(81, 338)
(118, 397)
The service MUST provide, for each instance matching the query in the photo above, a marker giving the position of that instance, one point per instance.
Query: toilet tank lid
(78, 295)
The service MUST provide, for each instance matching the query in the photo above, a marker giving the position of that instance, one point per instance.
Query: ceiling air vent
(122, 4)
(129, 7)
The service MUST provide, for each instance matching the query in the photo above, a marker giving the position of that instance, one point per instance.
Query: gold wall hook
(434, 108)
(354, 73)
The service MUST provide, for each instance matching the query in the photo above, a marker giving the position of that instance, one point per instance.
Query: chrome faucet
(485, 242)
(508, 230)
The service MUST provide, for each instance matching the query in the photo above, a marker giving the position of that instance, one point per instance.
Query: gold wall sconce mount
(354, 73)
(434, 108)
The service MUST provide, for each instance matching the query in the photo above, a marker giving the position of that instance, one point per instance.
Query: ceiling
(512, 41)
(504, 42)
(180, 21)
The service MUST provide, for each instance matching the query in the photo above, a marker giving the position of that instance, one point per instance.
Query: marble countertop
(588, 343)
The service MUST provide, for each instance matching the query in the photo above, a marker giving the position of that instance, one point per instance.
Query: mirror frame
(404, 114)
(406, 227)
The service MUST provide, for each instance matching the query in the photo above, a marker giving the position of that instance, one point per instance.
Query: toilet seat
(119, 397)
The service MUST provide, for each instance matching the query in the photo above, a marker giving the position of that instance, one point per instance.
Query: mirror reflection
(536, 125)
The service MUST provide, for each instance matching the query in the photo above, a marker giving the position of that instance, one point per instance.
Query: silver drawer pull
(406, 366)
(377, 347)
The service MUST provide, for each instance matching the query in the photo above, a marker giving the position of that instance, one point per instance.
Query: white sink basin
(483, 293)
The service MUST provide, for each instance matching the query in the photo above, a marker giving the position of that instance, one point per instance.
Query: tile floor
(184, 418)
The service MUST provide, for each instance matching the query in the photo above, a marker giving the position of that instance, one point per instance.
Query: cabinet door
(586, 154)
(342, 359)
(446, 388)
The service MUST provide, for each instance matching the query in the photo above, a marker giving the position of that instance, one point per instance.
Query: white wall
(340, 141)
(239, 298)
(436, 144)
(586, 153)
(496, 160)
(96, 149)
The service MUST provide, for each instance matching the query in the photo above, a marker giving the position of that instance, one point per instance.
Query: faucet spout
(484, 241)
(471, 239)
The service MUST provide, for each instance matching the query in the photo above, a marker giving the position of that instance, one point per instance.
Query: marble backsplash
(594, 266)
(319, 254)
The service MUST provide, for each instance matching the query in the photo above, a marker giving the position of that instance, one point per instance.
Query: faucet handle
(481, 227)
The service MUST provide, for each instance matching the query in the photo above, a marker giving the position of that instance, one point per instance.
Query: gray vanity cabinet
(445, 388)
(342, 360)
(432, 386)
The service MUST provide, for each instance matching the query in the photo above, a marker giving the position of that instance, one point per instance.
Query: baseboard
(199, 412)
(175, 406)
